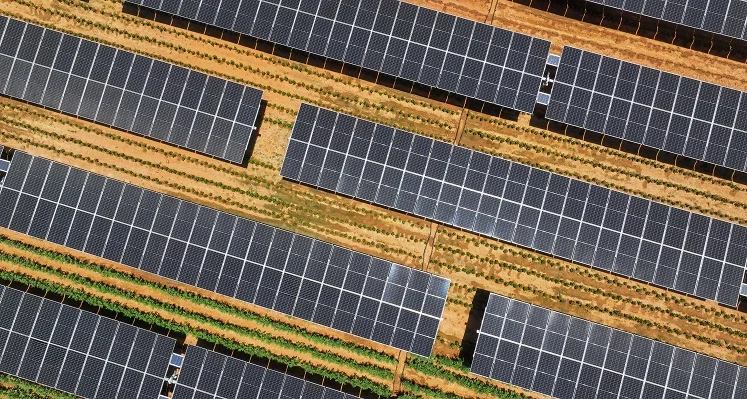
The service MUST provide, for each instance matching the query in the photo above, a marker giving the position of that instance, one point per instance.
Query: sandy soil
(264, 196)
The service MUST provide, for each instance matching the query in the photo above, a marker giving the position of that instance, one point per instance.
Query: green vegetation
(16, 388)
(192, 297)
(254, 335)
(430, 368)
(157, 320)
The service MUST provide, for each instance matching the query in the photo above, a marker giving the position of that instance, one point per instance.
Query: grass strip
(16, 388)
(154, 319)
(198, 299)
(432, 369)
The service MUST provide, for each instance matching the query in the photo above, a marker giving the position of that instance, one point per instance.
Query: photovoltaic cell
(684, 116)
(512, 202)
(256, 263)
(211, 375)
(566, 357)
(122, 89)
(724, 17)
(393, 37)
(77, 351)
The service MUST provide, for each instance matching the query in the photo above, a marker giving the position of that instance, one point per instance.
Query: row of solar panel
(661, 110)
(77, 351)
(397, 38)
(572, 219)
(296, 275)
(567, 357)
(724, 17)
(211, 375)
(122, 89)
(410, 41)
(92, 356)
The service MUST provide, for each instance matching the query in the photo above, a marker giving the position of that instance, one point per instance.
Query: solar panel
(206, 374)
(393, 37)
(491, 196)
(253, 262)
(684, 116)
(566, 357)
(79, 352)
(119, 88)
(723, 17)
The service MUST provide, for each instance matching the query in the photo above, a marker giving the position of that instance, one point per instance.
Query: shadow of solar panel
(396, 38)
(220, 252)
(519, 344)
(695, 119)
(79, 352)
(547, 212)
(128, 91)
(210, 374)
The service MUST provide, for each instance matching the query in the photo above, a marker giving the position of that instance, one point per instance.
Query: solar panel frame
(54, 346)
(208, 374)
(723, 17)
(687, 117)
(346, 290)
(564, 356)
(512, 202)
(115, 87)
(397, 38)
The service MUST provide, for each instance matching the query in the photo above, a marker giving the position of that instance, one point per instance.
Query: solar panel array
(567, 357)
(724, 17)
(658, 109)
(79, 352)
(397, 38)
(210, 375)
(551, 213)
(256, 263)
(119, 88)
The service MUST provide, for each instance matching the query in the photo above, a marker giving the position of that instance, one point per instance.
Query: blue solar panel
(683, 116)
(213, 250)
(128, 91)
(393, 37)
(724, 17)
(567, 357)
(589, 224)
(79, 352)
(208, 374)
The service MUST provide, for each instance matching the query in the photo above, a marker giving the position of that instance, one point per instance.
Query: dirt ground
(256, 190)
